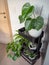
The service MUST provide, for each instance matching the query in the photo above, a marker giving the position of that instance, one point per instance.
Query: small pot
(26, 52)
(35, 33)
(32, 58)
(32, 46)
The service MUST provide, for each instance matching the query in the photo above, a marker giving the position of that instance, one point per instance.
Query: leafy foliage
(32, 55)
(39, 23)
(27, 10)
(29, 54)
(14, 47)
(30, 23)
(34, 23)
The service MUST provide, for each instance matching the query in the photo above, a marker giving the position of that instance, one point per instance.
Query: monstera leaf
(34, 23)
(27, 11)
(21, 19)
(29, 24)
(39, 23)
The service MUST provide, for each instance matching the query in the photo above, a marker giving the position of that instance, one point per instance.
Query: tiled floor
(4, 60)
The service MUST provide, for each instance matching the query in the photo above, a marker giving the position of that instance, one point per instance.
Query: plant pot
(35, 33)
(32, 58)
(32, 46)
(26, 52)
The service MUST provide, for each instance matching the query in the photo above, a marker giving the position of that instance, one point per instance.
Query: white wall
(15, 10)
(46, 61)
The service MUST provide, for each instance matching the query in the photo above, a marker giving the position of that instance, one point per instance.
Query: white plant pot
(33, 46)
(32, 58)
(35, 33)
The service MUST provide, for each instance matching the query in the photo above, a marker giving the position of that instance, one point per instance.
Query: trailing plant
(14, 47)
(26, 16)
(32, 55)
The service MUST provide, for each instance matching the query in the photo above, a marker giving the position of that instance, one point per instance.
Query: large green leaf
(14, 57)
(28, 24)
(39, 23)
(27, 10)
(21, 19)
(34, 23)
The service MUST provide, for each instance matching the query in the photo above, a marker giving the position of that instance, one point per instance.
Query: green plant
(14, 47)
(29, 54)
(32, 55)
(26, 16)
(26, 51)
(32, 45)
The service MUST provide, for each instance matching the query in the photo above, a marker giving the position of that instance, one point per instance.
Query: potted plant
(32, 45)
(32, 56)
(26, 52)
(14, 47)
(33, 25)
(29, 54)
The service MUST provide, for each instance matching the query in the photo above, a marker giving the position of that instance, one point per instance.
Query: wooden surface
(5, 26)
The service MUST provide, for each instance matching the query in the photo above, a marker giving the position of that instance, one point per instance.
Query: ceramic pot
(32, 46)
(35, 33)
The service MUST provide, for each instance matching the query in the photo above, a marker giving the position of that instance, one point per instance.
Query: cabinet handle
(2, 13)
(4, 16)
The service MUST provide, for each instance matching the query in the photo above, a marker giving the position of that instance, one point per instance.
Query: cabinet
(5, 26)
